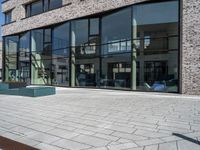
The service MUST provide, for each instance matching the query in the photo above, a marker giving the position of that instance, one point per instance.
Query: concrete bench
(10, 92)
(4, 86)
(37, 91)
(11, 85)
(31, 91)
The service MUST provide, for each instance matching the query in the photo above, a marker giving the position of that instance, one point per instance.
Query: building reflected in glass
(133, 48)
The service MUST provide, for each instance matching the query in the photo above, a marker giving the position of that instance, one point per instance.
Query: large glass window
(11, 52)
(155, 34)
(37, 40)
(60, 55)
(61, 40)
(85, 34)
(116, 32)
(116, 50)
(85, 50)
(94, 26)
(24, 57)
(28, 10)
(134, 48)
(36, 8)
(55, 4)
(80, 32)
(41, 56)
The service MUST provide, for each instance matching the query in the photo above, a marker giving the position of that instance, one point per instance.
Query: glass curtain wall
(60, 55)
(155, 46)
(131, 48)
(24, 58)
(85, 69)
(11, 58)
(116, 50)
(41, 56)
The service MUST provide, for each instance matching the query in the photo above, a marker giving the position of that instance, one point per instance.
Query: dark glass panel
(80, 37)
(47, 35)
(55, 4)
(36, 8)
(116, 30)
(116, 50)
(60, 71)
(24, 57)
(24, 45)
(61, 40)
(155, 25)
(11, 51)
(85, 66)
(37, 40)
(41, 57)
(116, 71)
(60, 60)
(94, 26)
(28, 10)
(8, 17)
(47, 49)
(41, 71)
(85, 75)
(46, 5)
(80, 32)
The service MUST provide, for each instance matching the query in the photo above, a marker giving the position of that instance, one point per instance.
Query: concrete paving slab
(102, 120)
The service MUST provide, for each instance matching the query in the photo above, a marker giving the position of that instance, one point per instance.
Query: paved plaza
(89, 119)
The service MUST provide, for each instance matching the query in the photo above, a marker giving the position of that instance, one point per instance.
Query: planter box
(15, 85)
(30, 92)
(10, 92)
(4, 86)
(37, 91)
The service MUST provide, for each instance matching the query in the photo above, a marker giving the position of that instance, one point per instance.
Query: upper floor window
(36, 8)
(8, 17)
(55, 4)
(41, 6)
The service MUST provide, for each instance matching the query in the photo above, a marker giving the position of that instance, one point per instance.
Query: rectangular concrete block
(30, 92)
(10, 92)
(37, 91)
(4, 86)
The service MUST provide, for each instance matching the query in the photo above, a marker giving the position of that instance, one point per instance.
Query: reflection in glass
(55, 4)
(134, 48)
(11, 46)
(94, 26)
(60, 71)
(41, 71)
(116, 50)
(61, 40)
(80, 32)
(37, 40)
(155, 25)
(60, 55)
(116, 32)
(85, 74)
(24, 58)
(85, 59)
(28, 10)
(8, 17)
(41, 57)
(36, 8)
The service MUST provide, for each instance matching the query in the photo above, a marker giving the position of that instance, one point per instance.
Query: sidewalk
(102, 120)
